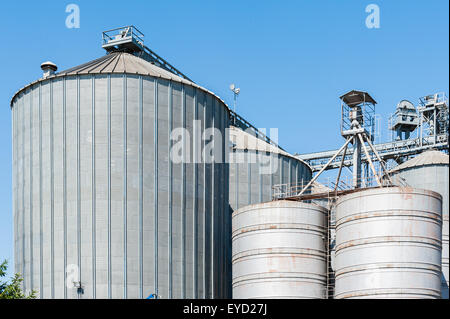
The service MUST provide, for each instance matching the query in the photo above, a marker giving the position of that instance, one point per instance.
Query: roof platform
(128, 39)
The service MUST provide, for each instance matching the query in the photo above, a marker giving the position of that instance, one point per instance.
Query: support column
(356, 163)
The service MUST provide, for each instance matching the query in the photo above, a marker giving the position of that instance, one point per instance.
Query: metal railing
(121, 38)
(433, 99)
(239, 122)
(366, 117)
(124, 32)
(331, 243)
(153, 57)
(329, 186)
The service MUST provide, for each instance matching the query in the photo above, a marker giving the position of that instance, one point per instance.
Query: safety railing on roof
(121, 33)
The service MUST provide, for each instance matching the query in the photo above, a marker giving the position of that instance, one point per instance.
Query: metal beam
(370, 160)
(380, 160)
(340, 168)
(323, 169)
(386, 151)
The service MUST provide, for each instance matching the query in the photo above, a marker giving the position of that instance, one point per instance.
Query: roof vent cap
(49, 69)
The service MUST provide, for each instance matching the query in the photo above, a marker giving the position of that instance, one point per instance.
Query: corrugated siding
(94, 187)
(254, 173)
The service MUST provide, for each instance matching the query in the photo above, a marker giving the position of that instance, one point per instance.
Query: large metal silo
(256, 166)
(388, 244)
(279, 250)
(429, 170)
(98, 203)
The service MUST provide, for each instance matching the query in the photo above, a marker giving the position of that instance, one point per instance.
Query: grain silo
(279, 250)
(256, 167)
(388, 244)
(429, 170)
(100, 209)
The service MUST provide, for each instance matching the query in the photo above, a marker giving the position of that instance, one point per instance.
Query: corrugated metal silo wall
(254, 173)
(434, 177)
(94, 187)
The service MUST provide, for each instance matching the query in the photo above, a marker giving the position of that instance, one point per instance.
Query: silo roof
(120, 63)
(355, 97)
(320, 188)
(245, 141)
(426, 158)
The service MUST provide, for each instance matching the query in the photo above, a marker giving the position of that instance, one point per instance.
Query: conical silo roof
(119, 63)
(245, 141)
(122, 62)
(426, 158)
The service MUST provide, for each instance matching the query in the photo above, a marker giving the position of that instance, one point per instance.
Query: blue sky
(291, 59)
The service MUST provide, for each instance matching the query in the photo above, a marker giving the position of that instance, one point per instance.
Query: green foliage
(12, 290)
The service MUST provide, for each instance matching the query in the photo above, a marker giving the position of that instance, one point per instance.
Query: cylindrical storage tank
(279, 250)
(100, 200)
(256, 167)
(429, 170)
(388, 244)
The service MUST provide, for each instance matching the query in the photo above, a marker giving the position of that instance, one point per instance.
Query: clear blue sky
(291, 59)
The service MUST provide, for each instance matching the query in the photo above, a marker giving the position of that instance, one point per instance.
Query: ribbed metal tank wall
(94, 187)
(435, 178)
(279, 250)
(254, 171)
(388, 244)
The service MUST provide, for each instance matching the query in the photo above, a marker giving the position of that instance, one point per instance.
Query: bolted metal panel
(388, 244)
(435, 178)
(279, 250)
(94, 188)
